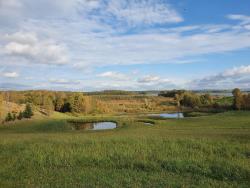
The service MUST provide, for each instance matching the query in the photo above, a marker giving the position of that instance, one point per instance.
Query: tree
(171, 93)
(47, 104)
(178, 98)
(191, 100)
(8, 117)
(59, 102)
(27, 113)
(206, 99)
(13, 116)
(20, 116)
(76, 102)
(66, 107)
(237, 99)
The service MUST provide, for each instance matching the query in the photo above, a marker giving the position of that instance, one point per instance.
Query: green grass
(207, 151)
(226, 101)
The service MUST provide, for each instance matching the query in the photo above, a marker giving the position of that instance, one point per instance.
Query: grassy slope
(16, 108)
(211, 151)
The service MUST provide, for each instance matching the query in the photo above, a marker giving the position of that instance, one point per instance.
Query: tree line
(79, 102)
(188, 98)
(241, 101)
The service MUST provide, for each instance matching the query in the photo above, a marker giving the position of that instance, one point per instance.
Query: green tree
(8, 117)
(206, 99)
(13, 116)
(27, 113)
(20, 116)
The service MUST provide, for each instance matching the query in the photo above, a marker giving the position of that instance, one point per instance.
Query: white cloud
(235, 77)
(22, 37)
(151, 82)
(237, 71)
(148, 79)
(143, 12)
(17, 10)
(87, 32)
(10, 3)
(84, 34)
(10, 74)
(28, 46)
(243, 18)
(113, 75)
(159, 47)
(63, 81)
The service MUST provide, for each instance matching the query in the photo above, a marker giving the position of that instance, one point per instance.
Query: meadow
(204, 151)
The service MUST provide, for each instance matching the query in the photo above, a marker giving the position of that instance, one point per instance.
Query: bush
(27, 113)
(20, 116)
(8, 117)
(190, 100)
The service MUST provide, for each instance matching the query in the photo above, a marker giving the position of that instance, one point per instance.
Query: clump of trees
(27, 113)
(171, 93)
(241, 100)
(76, 103)
(49, 101)
(188, 99)
(193, 100)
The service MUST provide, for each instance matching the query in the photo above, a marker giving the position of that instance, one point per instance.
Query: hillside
(15, 108)
(208, 151)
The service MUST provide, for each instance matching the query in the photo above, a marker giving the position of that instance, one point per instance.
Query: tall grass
(209, 151)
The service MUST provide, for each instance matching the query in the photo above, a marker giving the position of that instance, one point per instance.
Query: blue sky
(88, 45)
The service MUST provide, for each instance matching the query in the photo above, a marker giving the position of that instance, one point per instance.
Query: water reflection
(170, 115)
(95, 126)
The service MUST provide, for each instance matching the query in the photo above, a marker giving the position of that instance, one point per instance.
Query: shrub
(20, 116)
(27, 113)
(8, 117)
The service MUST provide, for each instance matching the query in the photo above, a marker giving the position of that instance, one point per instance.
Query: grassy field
(207, 151)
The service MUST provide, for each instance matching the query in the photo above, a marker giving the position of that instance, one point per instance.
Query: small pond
(177, 115)
(95, 125)
(147, 123)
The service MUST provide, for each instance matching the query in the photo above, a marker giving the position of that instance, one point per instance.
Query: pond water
(95, 126)
(146, 123)
(177, 115)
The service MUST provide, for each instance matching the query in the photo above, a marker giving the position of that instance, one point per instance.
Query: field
(208, 151)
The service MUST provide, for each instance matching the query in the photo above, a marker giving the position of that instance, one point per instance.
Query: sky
(91, 45)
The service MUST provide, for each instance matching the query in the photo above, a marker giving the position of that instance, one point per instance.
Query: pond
(95, 126)
(147, 123)
(177, 115)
